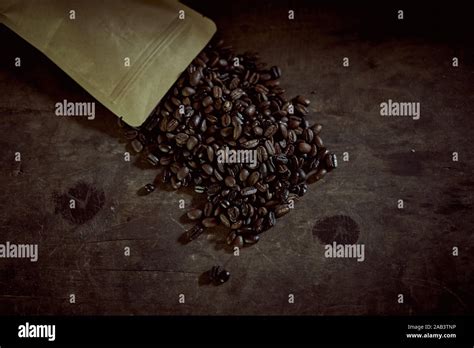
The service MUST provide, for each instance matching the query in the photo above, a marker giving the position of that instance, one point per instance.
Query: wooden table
(407, 251)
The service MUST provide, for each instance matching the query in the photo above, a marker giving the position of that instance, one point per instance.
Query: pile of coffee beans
(234, 102)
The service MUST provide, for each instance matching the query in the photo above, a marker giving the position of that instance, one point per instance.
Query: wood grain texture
(407, 251)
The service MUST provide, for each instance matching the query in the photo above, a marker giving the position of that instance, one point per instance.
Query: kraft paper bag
(125, 53)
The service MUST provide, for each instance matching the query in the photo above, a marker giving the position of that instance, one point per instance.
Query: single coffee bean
(137, 145)
(209, 222)
(269, 147)
(331, 161)
(187, 91)
(239, 242)
(230, 181)
(225, 221)
(181, 139)
(208, 209)
(172, 125)
(250, 110)
(275, 72)
(227, 106)
(217, 92)
(317, 128)
(304, 147)
(195, 78)
(253, 178)
(281, 210)
(250, 144)
(152, 159)
(237, 94)
(208, 169)
(194, 214)
(207, 101)
(233, 213)
(243, 175)
(149, 188)
(194, 232)
(191, 143)
(302, 100)
(218, 275)
(131, 134)
(182, 173)
(199, 189)
(225, 204)
(248, 191)
(251, 239)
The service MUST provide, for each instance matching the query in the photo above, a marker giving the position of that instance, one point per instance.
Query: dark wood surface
(408, 251)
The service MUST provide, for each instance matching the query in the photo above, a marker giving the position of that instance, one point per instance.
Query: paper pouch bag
(125, 53)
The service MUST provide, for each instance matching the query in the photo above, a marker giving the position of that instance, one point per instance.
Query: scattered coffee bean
(216, 103)
(149, 188)
(194, 214)
(218, 275)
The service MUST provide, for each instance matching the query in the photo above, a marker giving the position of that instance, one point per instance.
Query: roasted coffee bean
(239, 242)
(233, 213)
(318, 141)
(181, 139)
(237, 131)
(137, 145)
(210, 153)
(194, 214)
(250, 110)
(217, 92)
(248, 191)
(182, 173)
(302, 100)
(191, 142)
(315, 175)
(172, 125)
(225, 221)
(317, 128)
(208, 209)
(269, 147)
(207, 101)
(271, 220)
(225, 204)
(253, 178)
(149, 188)
(209, 222)
(230, 181)
(281, 210)
(244, 174)
(331, 161)
(194, 232)
(208, 169)
(187, 91)
(227, 106)
(257, 131)
(152, 159)
(236, 225)
(270, 131)
(216, 104)
(236, 94)
(218, 275)
(251, 239)
(304, 147)
(131, 134)
(199, 189)
(195, 78)
(275, 72)
(250, 144)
